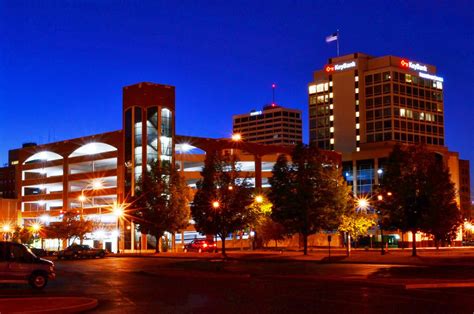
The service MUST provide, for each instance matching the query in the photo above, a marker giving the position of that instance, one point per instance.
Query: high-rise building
(272, 125)
(358, 99)
(361, 106)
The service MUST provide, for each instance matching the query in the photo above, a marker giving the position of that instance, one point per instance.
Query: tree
(222, 201)
(269, 230)
(22, 235)
(70, 227)
(309, 194)
(417, 194)
(161, 201)
(356, 223)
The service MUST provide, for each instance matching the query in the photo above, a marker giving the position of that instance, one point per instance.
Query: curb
(10, 305)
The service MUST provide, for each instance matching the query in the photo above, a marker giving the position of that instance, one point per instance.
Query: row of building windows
(404, 137)
(371, 79)
(404, 125)
(403, 90)
(405, 101)
(269, 122)
(268, 115)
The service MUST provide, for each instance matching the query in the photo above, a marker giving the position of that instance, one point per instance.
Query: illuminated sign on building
(414, 66)
(340, 67)
(430, 77)
(255, 113)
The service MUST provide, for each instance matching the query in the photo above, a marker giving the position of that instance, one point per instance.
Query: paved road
(161, 285)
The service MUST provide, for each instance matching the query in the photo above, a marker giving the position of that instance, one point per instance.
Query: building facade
(272, 125)
(362, 106)
(92, 175)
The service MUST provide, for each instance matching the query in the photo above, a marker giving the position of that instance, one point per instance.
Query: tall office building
(358, 99)
(361, 106)
(272, 125)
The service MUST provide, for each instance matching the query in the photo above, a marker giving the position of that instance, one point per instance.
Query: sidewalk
(47, 305)
(428, 257)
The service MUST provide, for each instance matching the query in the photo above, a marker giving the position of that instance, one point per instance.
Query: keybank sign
(414, 66)
(340, 66)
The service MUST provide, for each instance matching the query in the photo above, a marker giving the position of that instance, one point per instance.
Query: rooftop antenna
(273, 94)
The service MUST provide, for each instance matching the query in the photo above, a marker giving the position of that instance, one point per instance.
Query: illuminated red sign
(412, 65)
(329, 68)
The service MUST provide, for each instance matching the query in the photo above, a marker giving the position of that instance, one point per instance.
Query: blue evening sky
(63, 63)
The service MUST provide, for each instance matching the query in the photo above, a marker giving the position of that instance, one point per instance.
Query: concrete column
(132, 235)
(376, 174)
(354, 176)
(143, 242)
(65, 184)
(258, 171)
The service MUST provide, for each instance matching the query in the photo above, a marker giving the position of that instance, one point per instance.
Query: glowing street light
(36, 227)
(216, 204)
(97, 184)
(236, 137)
(362, 203)
(6, 228)
(259, 199)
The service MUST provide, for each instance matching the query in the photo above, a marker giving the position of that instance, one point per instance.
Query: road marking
(440, 285)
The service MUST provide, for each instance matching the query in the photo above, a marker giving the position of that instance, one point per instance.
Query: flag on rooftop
(332, 37)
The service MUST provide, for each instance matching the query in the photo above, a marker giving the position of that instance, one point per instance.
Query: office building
(362, 106)
(271, 125)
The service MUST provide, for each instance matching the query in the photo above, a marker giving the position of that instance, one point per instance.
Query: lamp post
(118, 211)
(382, 250)
(259, 201)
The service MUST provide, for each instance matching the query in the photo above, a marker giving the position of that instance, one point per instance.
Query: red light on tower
(273, 85)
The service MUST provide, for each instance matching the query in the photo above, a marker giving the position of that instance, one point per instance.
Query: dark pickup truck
(76, 251)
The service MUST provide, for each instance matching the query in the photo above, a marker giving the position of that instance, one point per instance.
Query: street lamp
(216, 204)
(236, 137)
(118, 211)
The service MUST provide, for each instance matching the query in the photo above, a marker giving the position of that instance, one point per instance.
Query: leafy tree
(356, 223)
(70, 227)
(161, 201)
(269, 230)
(418, 194)
(309, 194)
(222, 201)
(22, 235)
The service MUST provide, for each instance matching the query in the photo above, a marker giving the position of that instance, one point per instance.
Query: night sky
(63, 63)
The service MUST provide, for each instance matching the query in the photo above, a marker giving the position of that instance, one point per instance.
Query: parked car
(18, 263)
(200, 245)
(38, 252)
(76, 251)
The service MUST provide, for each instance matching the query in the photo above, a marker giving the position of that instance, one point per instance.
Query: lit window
(358, 138)
(402, 112)
(331, 106)
(331, 129)
(357, 90)
(330, 95)
(409, 113)
(326, 87)
(331, 141)
(408, 78)
(422, 116)
(330, 83)
(357, 102)
(357, 126)
(357, 78)
(331, 118)
(320, 88)
(357, 114)
(358, 149)
(439, 85)
(312, 89)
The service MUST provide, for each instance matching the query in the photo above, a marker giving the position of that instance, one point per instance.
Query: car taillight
(215, 245)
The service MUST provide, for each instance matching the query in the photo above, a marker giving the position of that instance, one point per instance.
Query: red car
(201, 245)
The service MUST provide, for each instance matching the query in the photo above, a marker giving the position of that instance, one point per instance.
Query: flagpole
(337, 42)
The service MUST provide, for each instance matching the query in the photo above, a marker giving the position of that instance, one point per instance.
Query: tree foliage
(22, 235)
(222, 201)
(309, 194)
(70, 227)
(161, 201)
(357, 223)
(418, 194)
